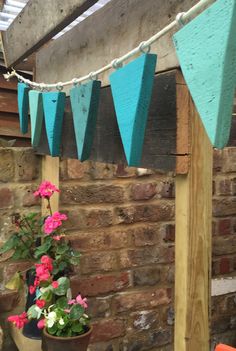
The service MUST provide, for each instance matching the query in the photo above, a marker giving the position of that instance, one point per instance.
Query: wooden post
(50, 171)
(193, 236)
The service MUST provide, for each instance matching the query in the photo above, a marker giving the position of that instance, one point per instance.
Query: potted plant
(64, 320)
(36, 237)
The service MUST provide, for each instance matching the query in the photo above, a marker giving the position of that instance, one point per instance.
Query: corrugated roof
(12, 8)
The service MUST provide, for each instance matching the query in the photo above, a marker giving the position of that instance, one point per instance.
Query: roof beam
(38, 22)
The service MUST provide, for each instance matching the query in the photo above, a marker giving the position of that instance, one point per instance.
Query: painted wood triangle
(84, 102)
(131, 88)
(206, 48)
(53, 106)
(36, 116)
(23, 106)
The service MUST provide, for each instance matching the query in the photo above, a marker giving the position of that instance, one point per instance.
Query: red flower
(53, 222)
(55, 285)
(41, 323)
(40, 303)
(19, 320)
(46, 190)
(32, 289)
(42, 273)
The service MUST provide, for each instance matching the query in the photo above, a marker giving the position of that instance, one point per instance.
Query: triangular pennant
(36, 116)
(23, 106)
(84, 102)
(131, 88)
(206, 48)
(53, 106)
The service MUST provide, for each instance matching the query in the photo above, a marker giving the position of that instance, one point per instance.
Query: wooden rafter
(38, 22)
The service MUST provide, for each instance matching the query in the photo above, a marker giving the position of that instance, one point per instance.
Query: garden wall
(122, 220)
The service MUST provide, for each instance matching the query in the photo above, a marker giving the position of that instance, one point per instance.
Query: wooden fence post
(193, 236)
(50, 171)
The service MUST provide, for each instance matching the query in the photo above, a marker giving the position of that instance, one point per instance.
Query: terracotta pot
(56, 343)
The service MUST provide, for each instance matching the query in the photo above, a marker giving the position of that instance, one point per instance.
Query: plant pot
(30, 329)
(75, 343)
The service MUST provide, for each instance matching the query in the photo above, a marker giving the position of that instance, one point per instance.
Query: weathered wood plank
(193, 243)
(10, 125)
(19, 41)
(50, 172)
(8, 101)
(159, 150)
(110, 33)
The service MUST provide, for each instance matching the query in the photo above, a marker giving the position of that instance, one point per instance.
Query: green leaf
(47, 295)
(77, 328)
(52, 330)
(9, 244)
(15, 283)
(62, 248)
(42, 249)
(62, 302)
(64, 284)
(32, 312)
(76, 312)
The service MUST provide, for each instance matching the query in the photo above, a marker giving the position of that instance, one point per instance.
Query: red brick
(76, 169)
(99, 307)
(143, 191)
(146, 235)
(103, 240)
(141, 300)
(91, 194)
(13, 267)
(163, 211)
(227, 186)
(28, 198)
(6, 197)
(89, 218)
(224, 245)
(169, 233)
(27, 164)
(145, 320)
(125, 172)
(146, 276)
(98, 262)
(6, 165)
(224, 207)
(224, 226)
(166, 189)
(224, 265)
(229, 160)
(108, 329)
(101, 171)
(217, 160)
(100, 284)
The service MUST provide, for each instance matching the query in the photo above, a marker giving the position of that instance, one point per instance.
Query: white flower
(61, 321)
(39, 311)
(51, 319)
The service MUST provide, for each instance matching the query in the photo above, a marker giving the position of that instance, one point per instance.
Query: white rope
(144, 46)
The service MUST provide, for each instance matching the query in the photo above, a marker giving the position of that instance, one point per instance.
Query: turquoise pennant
(84, 102)
(36, 116)
(53, 106)
(131, 88)
(23, 106)
(206, 48)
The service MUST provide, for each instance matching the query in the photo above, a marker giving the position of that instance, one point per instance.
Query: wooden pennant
(131, 88)
(36, 116)
(23, 106)
(84, 102)
(206, 48)
(53, 106)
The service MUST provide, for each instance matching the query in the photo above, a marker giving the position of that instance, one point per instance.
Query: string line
(143, 47)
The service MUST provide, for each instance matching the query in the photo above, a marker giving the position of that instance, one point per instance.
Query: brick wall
(122, 220)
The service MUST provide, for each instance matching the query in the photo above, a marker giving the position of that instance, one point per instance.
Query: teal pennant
(84, 102)
(131, 88)
(206, 48)
(53, 106)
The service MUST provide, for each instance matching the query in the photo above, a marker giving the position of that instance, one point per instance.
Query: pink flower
(53, 222)
(81, 301)
(46, 190)
(57, 237)
(41, 323)
(19, 320)
(32, 289)
(40, 303)
(55, 285)
(42, 273)
(47, 262)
